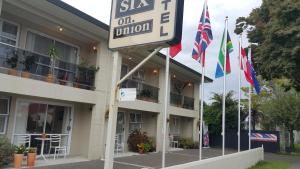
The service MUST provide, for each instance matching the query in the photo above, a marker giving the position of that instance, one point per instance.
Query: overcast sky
(218, 10)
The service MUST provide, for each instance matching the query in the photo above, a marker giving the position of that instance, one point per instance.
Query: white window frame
(54, 39)
(5, 115)
(18, 32)
(176, 125)
(135, 120)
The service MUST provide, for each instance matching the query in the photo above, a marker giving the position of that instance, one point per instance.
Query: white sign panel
(139, 22)
(127, 94)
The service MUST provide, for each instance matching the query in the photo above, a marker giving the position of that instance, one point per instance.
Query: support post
(250, 114)
(239, 106)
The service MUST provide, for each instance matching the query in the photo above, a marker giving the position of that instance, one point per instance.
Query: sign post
(151, 23)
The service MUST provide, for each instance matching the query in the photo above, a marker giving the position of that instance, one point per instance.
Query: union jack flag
(263, 137)
(203, 37)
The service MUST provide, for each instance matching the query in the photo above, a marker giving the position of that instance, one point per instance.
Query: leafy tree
(277, 32)
(283, 108)
(213, 113)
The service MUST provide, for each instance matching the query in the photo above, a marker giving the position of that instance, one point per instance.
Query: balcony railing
(144, 91)
(24, 63)
(181, 101)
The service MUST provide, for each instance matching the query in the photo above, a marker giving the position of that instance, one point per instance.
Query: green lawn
(271, 165)
(297, 148)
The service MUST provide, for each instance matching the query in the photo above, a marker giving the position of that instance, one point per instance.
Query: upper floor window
(4, 112)
(8, 33)
(41, 44)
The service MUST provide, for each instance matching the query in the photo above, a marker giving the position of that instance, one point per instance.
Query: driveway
(153, 160)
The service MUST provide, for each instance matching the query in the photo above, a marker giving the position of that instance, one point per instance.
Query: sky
(218, 9)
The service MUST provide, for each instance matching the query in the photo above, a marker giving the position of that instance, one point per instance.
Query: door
(120, 128)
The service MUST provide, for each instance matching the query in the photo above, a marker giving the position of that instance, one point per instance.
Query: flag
(203, 37)
(221, 60)
(175, 49)
(255, 81)
(245, 66)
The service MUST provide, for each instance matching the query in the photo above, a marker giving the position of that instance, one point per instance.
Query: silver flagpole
(224, 86)
(250, 114)
(202, 95)
(239, 110)
(165, 109)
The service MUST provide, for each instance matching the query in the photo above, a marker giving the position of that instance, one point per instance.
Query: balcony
(144, 91)
(181, 101)
(27, 64)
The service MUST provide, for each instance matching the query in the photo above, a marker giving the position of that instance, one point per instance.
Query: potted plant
(53, 54)
(31, 157)
(13, 62)
(18, 156)
(6, 152)
(145, 94)
(28, 62)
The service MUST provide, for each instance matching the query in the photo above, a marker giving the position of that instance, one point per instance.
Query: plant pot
(31, 159)
(25, 74)
(13, 72)
(50, 78)
(18, 158)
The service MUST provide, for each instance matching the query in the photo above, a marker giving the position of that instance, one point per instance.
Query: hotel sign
(145, 22)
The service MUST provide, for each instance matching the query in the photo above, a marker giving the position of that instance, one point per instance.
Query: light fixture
(130, 58)
(174, 76)
(155, 71)
(189, 84)
(60, 29)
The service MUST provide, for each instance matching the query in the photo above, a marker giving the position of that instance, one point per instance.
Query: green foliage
(277, 32)
(270, 165)
(28, 62)
(31, 150)
(187, 143)
(20, 149)
(6, 152)
(297, 148)
(138, 140)
(13, 61)
(213, 113)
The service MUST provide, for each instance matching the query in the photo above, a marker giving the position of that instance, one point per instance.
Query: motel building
(55, 74)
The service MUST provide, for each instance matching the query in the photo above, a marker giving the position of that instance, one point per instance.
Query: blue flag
(255, 81)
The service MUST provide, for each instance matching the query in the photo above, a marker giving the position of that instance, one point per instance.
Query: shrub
(6, 152)
(187, 143)
(140, 139)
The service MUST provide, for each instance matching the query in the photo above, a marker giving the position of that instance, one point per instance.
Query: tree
(283, 109)
(213, 113)
(277, 32)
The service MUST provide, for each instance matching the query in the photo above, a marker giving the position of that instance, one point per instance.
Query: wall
(241, 160)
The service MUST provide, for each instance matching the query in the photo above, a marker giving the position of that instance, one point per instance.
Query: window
(41, 44)
(4, 112)
(174, 126)
(135, 122)
(8, 33)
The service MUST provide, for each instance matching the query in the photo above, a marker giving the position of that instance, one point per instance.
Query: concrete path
(293, 160)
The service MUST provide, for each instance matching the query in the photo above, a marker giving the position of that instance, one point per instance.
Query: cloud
(218, 9)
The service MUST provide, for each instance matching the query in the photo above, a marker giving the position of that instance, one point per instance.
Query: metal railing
(38, 66)
(181, 101)
(144, 91)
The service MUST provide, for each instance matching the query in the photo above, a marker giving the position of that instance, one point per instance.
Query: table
(42, 147)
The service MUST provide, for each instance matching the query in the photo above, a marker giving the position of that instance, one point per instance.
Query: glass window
(174, 126)
(41, 44)
(4, 111)
(135, 122)
(8, 33)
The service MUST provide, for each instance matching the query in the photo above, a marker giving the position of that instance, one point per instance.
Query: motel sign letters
(140, 22)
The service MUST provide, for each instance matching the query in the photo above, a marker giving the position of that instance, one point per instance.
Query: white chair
(173, 143)
(24, 140)
(55, 143)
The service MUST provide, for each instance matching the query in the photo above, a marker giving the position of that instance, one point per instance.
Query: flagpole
(166, 103)
(224, 86)
(250, 114)
(239, 110)
(202, 94)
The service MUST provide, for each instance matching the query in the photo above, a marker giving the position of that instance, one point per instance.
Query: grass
(297, 148)
(270, 165)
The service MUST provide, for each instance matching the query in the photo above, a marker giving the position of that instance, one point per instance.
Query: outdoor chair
(24, 140)
(55, 143)
(173, 142)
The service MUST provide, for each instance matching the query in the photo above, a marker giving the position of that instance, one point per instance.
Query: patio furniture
(24, 140)
(43, 145)
(174, 143)
(55, 143)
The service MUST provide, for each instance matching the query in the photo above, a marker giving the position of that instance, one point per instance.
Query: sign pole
(112, 120)
(166, 103)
